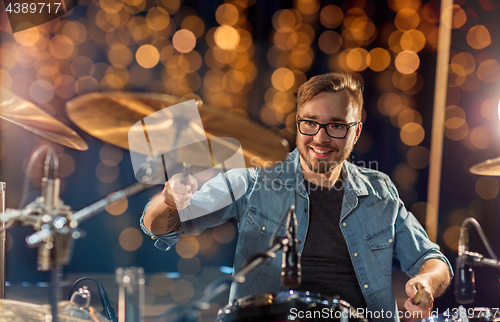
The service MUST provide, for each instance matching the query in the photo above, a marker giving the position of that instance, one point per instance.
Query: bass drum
(288, 306)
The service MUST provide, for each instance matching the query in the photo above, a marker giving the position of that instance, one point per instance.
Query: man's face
(322, 153)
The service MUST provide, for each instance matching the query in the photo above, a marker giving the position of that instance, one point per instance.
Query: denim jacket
(373, 220)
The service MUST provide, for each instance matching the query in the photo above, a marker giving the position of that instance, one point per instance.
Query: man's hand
(178, 195)
(420, 298)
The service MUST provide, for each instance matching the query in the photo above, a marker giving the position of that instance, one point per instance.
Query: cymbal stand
(2, 242)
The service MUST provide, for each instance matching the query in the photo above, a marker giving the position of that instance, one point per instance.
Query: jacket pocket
(381, 244)
(257, 233)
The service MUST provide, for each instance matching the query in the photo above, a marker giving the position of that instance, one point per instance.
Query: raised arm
(161, 216)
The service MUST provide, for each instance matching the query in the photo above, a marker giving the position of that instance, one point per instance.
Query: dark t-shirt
(326, 265)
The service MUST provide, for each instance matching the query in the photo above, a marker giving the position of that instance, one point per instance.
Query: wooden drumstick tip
(186, 171)
(418, 296)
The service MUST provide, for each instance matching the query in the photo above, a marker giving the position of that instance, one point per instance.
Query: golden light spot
(409, 115)
(171, 5)
(451, 237)
(407, 62)
(329, 42)
(387, 102)
(331, 16)
(27, 37)
(117, 208)
(106, 173)
(418, 157)
(406, 19)
(489, 108)
(110, 155)
(285, 20)
(66, 165)
(61, 47)
(454, 79)
(8, 61)
(182, 291)
(111, 6)
(404, 175)
(107, 21)
(227, 14)
(213, 80)
(120, 56)
(463, 64)
(412, 134)
(224, 233)
(160, 284)
(487, 187)
(187, 247)
(357, 59)
(478, 37)
(195, 24)
(86, 84)
(184, 40)
(459, 17)
(413, 40)
(454, 117)
(283, 79)
(130, 239)
(75, 31)
(457, 134)
(308, 7)
(189, 267)
(233, 81)
(397, 5)
(378, 59)
(268, 116)
(480, 137)
(226, 37)
(394, 41)
(158, 18)
(301, 59)
(111, 82)
(488, 71)
(41, 91)
(65, 86)
(147, 56)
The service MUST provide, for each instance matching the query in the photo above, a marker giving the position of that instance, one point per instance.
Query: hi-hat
(489, 167)
(30, 117)
(110, 116)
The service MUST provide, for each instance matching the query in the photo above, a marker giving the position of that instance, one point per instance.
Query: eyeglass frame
(324, 125)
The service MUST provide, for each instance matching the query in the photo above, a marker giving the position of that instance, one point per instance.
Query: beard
(324, 166)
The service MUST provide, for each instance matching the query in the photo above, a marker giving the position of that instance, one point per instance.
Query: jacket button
(305, 210)
(390, 241)
(344, 224)
(365, 286)
(355, 254)
(263, 228)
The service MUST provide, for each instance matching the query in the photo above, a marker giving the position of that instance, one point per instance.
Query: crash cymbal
(110, 116)
(489, 167)
(30, 117)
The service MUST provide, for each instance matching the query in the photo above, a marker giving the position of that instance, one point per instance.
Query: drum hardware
(3, 236)
(131, 294)
(30, 117)
(107, 309)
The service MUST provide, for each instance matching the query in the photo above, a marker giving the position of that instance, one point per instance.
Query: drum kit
(109, 116)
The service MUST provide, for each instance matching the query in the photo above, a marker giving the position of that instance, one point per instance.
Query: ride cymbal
(110, 116)
(489, 167)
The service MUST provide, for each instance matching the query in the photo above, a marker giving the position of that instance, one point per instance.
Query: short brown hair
(331, 83)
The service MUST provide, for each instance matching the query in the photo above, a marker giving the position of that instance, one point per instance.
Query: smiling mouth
(318, 151)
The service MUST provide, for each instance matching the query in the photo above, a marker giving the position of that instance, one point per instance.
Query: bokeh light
(147, 56)
(224, 233)
(187, 247)
(478, 37)
(182, 291)
(412, 134)
(160, 284)
(487, 187)
(130, 239)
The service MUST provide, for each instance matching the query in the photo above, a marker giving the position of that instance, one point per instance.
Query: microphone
(50, 181)
(107, 309)
(290, 266)
(465, 282)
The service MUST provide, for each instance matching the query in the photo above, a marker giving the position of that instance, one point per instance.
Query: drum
(288, 306)
(15, 311)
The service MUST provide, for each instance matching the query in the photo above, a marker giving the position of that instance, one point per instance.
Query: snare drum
(288, 306)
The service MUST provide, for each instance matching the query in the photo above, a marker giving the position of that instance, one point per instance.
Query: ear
(359, 127)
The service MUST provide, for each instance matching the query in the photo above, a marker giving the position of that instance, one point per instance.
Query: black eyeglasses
(334, 130)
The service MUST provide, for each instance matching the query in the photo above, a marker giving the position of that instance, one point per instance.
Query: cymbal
(110, 116)
(30, 117)
(489, 167)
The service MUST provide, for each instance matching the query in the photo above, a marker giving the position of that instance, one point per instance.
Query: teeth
(320, 151)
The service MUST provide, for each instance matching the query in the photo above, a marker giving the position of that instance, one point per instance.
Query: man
(351, 221)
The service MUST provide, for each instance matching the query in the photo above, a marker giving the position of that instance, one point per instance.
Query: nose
(322, 136)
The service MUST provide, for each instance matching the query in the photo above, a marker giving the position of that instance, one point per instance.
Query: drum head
(288, 306)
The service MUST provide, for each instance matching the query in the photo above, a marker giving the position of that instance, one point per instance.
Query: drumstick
(186, 171)
(418, 296)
